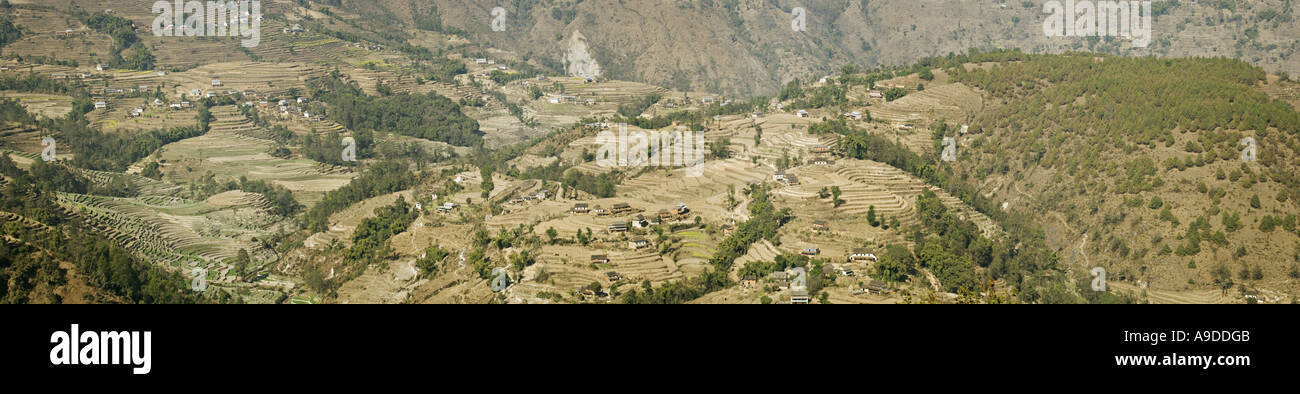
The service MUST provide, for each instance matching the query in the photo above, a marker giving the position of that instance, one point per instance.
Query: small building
(906, 126)
(638, 243)
(876, 94)
(580, 208)
(855, 115)
(599, 259)
(779, 176)
(877, 287)
(799, 296)
(802, 113)
(599, 211)
(820, 225)
(621, 207)
(821, 161)
(791, 180)
(820, 149)
(727, 229)
(216, 82)
(101, 67)
(861, 254)
(750, 280)
(707, 100)
(101, 105)
(640, 222)
(618, 227)
(810, 252)
(612, 276)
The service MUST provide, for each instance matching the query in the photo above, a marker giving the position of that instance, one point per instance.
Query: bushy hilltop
(1171, 174)
(750, 47)
(1141, 163)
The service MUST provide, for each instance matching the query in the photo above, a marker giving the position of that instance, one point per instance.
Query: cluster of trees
(634, 109)
(102, 263)
(115, 151)
(429, 116)
(370, 239)
(599, 185)
(124, 37)
(381, 178)
(282, 202)
(8, 31)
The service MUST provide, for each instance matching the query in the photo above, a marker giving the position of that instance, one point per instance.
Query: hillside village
(335, 164)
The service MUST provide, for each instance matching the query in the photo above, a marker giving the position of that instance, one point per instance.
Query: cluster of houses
(540, 195)
(446, 207)
(785, 179)
(368, 46)
(569, 98)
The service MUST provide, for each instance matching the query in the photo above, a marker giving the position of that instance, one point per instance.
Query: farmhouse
(820, 225)
(101, 105)
(906, 126)
(876, 94)
(638, 243)
(820, 149)
(750, 280)
(821, 161)
(621, 207)
(599, 259)
(799, 296)
(802, 113)
(810, 252)
(216, 82)
(640, 222)
(779, 176)
(618, 227)
(790, 180)
(612, 276)
(599, 211)
(707, 100)
(855, 115)
(877, 287)
(861, 254)
(580, 208)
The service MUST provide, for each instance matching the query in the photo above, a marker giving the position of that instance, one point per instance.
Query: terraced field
(229, 155)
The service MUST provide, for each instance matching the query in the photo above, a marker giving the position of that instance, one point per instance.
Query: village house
(779, 176)
(906, 126)
(790, 180)
(861, 254)
(750, 280)
(877, 287)
(618, 227)
(820, 225)
(101, 105)
(821, 161)
(640, 222)
(599, 211)
(820, 149)
(802, 113)
(799, 296)
(621, 207)
(810, 252)
(599, 259)
(216, 82)
(638, 243)
(612, 276)
(580, 208)
(876, 94)
(855, 115)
